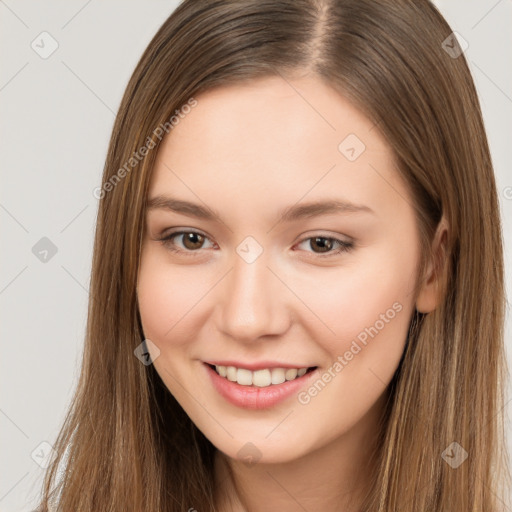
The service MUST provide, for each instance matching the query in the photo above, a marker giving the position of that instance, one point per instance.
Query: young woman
(297, 295)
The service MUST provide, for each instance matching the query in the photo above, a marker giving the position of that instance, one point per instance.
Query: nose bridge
(252, 300)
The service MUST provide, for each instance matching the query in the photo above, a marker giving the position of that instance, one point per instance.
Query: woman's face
(256, 277)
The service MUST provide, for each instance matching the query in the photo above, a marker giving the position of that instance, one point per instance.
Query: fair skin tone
(247, 152)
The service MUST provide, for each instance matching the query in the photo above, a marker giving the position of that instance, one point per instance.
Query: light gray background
(57, 115)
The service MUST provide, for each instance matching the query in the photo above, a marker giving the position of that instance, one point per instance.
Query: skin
(248, 151)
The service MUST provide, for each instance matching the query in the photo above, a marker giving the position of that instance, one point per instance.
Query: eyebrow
(288, 214)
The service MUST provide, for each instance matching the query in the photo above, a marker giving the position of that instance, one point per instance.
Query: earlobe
(430, 293)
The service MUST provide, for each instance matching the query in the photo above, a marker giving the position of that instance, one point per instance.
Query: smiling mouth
(260, 378)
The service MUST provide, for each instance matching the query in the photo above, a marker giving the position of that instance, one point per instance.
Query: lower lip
(254, 397)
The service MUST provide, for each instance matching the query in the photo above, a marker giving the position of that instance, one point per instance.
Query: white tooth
(291, 373)
(231, 373)
(244, 377)
(278, 376)
(261, 378)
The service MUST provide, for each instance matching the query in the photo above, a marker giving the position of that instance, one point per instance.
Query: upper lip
(261, 365)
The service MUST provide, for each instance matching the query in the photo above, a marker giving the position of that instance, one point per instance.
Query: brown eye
(193, 240)
(325, 246)
(322, 243)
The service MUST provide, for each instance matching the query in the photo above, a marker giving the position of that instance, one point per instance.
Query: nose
(253, 301)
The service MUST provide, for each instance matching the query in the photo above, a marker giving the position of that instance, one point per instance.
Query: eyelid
(344, 245)
(166, 237)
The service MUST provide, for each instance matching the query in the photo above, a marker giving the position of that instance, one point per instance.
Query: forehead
(274, 140)
(256, 113)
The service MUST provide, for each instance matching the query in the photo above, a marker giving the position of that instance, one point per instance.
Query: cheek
(167, 294)
(370, 313)
(370, 296)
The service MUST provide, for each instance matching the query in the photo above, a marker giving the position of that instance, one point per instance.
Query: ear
(429, 295)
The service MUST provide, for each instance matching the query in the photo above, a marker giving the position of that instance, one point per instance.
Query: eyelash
(166, 241)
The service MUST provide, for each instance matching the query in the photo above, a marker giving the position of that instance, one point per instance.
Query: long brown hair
(126, 444)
